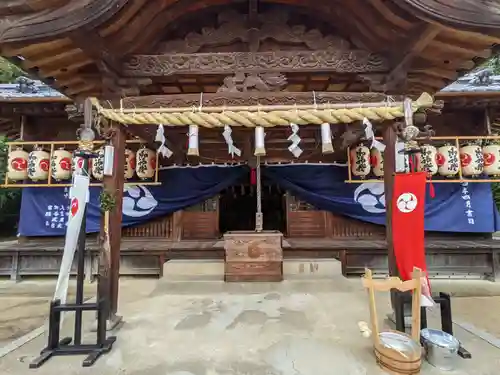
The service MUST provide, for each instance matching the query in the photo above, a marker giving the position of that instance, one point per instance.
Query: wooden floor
(145, 256)
(162, 244)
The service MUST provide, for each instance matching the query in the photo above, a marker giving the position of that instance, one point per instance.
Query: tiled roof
(28, 88)
(481, 81)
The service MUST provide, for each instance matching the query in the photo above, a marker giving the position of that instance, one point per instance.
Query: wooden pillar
(114, 185)
(177, 225)
(390, 139)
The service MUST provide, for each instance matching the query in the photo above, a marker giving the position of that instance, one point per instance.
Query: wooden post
(390, 139)
(114, 185)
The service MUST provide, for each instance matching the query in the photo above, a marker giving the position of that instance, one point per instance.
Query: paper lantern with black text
(61, 161)
(146, 163)
(448, 161)
(98, 165)
(38, 165)
(471, 160)
(360, 161)
(428, 160)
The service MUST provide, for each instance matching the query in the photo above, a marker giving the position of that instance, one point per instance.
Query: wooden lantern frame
(456, 140)
(22, 184)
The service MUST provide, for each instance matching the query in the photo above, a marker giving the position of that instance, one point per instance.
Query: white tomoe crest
(371, 197)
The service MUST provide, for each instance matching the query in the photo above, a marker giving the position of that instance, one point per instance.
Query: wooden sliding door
(201, 221)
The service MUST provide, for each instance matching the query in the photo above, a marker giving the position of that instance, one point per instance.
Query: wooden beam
(410, 48)
(108, 63)
(91, 43)
(350, 61)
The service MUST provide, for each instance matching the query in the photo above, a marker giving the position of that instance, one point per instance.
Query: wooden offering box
(253, 256)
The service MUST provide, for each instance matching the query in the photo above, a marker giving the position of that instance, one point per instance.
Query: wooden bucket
(396, 363)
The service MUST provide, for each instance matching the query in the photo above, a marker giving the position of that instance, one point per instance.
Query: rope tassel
(160, 137)
(193, 145)
(231, 148)
(260, 147)
(326, 138)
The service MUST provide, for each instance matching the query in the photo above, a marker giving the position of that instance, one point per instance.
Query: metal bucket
(440, 348)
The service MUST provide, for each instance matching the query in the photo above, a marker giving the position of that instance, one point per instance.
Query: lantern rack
(134, 145)
(437, 179)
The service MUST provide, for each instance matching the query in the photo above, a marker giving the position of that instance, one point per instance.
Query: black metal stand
(444, 301)
(56, 346)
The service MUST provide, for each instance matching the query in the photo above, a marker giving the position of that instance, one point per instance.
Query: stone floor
(298, 327)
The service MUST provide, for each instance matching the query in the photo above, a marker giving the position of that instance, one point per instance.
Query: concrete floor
(298, 327)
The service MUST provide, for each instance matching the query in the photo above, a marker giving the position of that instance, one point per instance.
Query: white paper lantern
(427, 159)
(61, 163)
(129, 164)
(377, 162)
(448, 160)
(146, 163)
(491, 157)
(38, 165)
(98, 165)
(78, 165)
(360, 161)
(17, 169)
(471, 160)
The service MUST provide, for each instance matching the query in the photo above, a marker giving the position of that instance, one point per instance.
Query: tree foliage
(8, 71)
(10, 199)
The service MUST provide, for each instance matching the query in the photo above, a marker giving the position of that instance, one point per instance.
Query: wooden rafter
(472, 14)
(137, 28)
(57, 20)
(410, 48)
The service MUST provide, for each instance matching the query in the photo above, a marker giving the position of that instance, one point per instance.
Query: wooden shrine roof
(104, 47)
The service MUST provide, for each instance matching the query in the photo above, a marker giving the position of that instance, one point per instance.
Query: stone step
(199, 270)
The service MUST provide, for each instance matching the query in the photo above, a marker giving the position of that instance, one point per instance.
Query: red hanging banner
(253, 176)
(408, 205)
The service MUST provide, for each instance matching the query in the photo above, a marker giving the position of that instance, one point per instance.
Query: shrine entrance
(237, 207)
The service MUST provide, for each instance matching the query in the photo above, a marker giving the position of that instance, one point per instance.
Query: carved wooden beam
(409, 49)
(245, 98)
(353, 61)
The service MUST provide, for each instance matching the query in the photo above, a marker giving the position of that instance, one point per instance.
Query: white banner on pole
(78, 200)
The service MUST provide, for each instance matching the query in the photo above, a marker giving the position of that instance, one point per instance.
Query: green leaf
(9, 72)
(10, 199)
